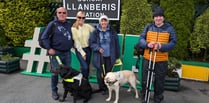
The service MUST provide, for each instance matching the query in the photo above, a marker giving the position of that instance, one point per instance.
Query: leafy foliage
(173, 65)
(8, 57)
(135, 15)
(2, 37)
(180, 14)
(18, 18)
(199, 40)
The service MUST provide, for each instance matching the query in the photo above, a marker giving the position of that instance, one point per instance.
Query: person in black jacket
(58, 45)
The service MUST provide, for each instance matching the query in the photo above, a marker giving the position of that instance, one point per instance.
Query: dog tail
(137, 82)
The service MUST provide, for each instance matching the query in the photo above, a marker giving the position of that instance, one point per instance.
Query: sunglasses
(81, 17)
(61, 12)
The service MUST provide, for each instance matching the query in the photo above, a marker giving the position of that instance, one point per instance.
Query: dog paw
(115, 102)
(85, 101)
(108, 99)
(136, 96)
(61, 100)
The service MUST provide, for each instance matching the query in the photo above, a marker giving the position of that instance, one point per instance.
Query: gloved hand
(157, 46)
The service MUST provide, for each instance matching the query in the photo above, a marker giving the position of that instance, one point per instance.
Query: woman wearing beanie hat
(105, 46)
(160, 38)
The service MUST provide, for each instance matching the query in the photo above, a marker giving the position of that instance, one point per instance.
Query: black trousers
(102, 71)
(160, 71)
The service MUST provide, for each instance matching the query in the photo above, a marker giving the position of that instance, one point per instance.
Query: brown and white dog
(114, 80)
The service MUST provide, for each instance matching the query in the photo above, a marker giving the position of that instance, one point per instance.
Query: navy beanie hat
(158, 12)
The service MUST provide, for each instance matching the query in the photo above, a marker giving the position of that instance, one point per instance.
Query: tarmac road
(18, 88)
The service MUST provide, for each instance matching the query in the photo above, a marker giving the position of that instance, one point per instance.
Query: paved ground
(18, 88)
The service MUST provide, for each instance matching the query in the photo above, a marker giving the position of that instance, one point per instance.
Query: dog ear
(106, 78)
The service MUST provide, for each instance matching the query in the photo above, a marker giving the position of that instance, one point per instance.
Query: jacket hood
(100, 28)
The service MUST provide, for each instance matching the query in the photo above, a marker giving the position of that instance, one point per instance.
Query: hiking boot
(104, 92)
(159, 99)
(55, 95)
(142, 97)
(143, 101)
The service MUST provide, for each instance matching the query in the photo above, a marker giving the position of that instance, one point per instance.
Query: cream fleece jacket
(81, 37)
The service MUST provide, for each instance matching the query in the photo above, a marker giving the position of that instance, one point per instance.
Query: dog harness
(69, 80)
(77, 77)
(119, 76)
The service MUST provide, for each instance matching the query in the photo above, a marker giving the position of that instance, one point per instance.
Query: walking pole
(149, 84)
(148, 78)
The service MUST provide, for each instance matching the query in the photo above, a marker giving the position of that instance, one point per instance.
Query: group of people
(102, 41)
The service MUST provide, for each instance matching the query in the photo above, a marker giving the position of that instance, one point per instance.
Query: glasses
(81, 17)
(61, 12)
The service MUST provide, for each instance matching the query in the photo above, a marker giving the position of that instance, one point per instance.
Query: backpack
(140, 50)
(49, 35)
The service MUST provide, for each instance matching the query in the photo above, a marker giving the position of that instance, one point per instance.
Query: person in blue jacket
(105, 46)
(58, 45)
(159, 37)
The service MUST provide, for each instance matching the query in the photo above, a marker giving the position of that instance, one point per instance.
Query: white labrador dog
(114, 80)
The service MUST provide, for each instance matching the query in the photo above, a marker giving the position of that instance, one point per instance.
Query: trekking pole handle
(156, 47)
(150, 50)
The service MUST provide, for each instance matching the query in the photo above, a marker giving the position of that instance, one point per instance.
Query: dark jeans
(160, 71)
(66, 60)
(84, 63)
(101, 72)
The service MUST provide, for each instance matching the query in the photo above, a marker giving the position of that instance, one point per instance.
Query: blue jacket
(167, 27)
(61, 39)
(94, 41)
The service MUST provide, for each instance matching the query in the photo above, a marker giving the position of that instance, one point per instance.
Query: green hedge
(18, 18)
(2, 37)
(180, 14)
(135, 15)
(199, 39)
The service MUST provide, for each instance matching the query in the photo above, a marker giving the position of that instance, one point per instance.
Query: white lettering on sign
(91, 7)
(88, 0)
(94, 14)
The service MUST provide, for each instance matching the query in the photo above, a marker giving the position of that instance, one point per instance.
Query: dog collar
(111, 83)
